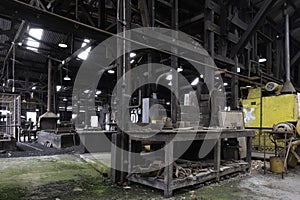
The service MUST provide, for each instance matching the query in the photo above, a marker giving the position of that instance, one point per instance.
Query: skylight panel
(35, 33)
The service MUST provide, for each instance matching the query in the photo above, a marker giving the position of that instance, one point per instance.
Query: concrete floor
(85, 177)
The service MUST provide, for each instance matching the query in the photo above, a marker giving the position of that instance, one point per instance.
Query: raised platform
(94, 140)
(58, 140)
(8, 144)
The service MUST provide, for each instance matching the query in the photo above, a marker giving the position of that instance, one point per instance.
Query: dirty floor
(64, 177)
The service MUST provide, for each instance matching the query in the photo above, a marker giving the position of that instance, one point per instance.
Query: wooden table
(167, 137)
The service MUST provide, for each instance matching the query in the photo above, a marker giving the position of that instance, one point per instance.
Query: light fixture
(262, 60)
(111, 71)
(179, 69)
(225, 84)
(62, 45)
(201, 76)
(58, 88)
(37, 110)
(132, 61)
(84, 55)
(86, 91)
(169, 77)
(248, 86)
(168, 103)
(33, 88)
(65, 99)
(238, 70)
(170, 83)
(98, 92)
(195, 82)
(67, 78)
(132, 55)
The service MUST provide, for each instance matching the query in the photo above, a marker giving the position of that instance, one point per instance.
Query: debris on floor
(81, 177)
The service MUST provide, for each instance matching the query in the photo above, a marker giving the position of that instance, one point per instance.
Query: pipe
(49, 85)
(288, 86)
(287, 47)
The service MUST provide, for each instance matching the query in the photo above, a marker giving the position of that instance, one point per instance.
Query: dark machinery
(52, 134)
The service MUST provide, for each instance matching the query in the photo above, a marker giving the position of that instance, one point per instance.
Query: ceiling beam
(191, 20)
(53, 21)
(39, 53)
(76, 53)
(46, 44)
(254, 25)
(21, 30)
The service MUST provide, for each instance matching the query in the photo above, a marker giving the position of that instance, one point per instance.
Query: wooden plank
(188, 135)
(168, 172)
(217, 158)
(238, 22)
(249, 150)
(213, 6)
(181, 183)
(217, 29)
(152, 182)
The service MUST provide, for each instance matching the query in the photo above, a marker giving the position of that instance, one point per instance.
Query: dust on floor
(86, 177)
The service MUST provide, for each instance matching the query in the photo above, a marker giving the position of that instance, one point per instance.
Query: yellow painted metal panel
(281, 108)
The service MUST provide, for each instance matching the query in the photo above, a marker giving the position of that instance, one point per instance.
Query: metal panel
(282, 108)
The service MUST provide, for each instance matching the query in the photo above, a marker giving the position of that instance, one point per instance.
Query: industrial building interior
(149, 99)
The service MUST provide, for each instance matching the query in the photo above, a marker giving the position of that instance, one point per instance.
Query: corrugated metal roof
(53, 37)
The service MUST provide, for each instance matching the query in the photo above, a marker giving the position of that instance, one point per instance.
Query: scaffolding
(10, 116)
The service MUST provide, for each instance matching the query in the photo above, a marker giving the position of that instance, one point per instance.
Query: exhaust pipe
(48, 121)
(49, 86)
(287, 86)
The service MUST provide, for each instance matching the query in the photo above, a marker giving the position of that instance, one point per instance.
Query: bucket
(276, 164)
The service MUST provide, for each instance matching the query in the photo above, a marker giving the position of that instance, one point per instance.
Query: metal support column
(235, 86)
(119, 158)
(269, 58)
(209, 36)
(174, 64)
(101, 14)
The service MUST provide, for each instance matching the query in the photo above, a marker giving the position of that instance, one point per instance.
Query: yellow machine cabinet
(275, 109)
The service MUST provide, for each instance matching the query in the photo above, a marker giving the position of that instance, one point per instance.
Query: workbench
(168, 137)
